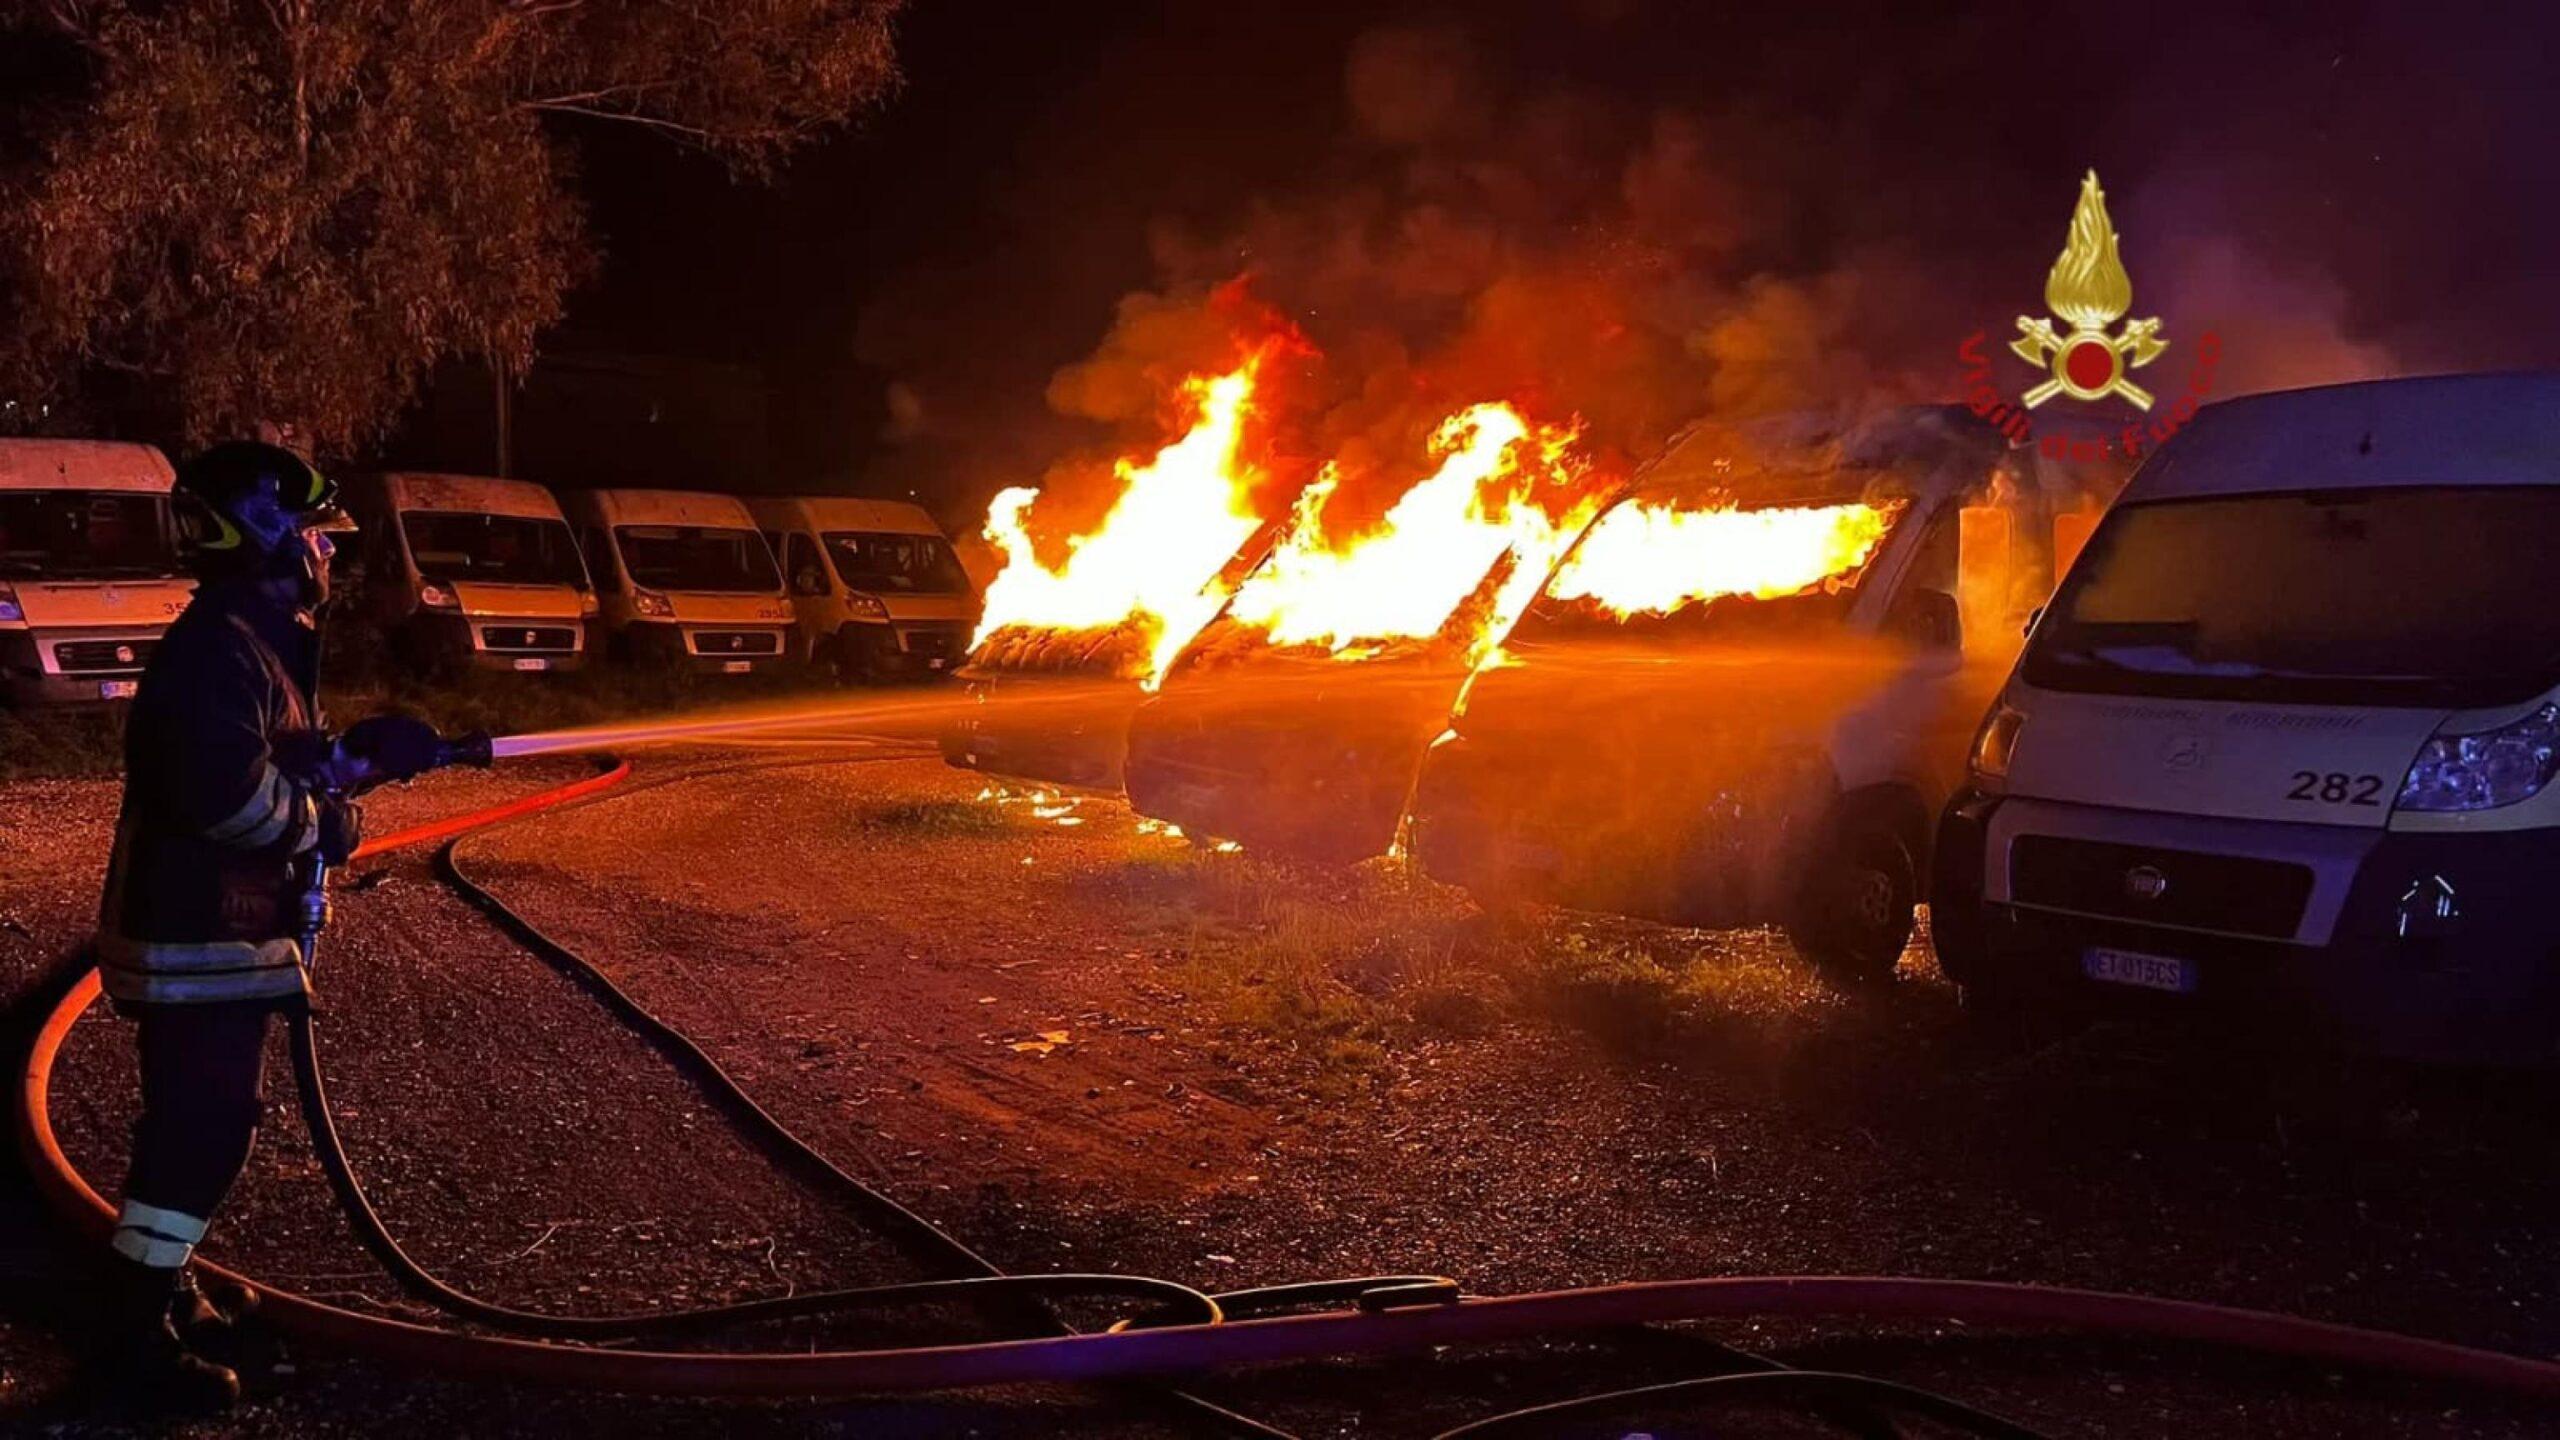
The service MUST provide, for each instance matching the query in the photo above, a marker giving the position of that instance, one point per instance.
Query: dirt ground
(1081, 1044)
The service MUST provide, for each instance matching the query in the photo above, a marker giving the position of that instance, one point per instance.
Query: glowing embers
(1046, 807)
(1149, 567)
(1501, 487)
(1653, 559)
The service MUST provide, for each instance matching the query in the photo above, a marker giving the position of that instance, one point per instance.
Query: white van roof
(83, 465)
(666, 507)
(469, 495)
(2437, 430)
(844, 512)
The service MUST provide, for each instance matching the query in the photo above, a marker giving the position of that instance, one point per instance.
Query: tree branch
(627, 117)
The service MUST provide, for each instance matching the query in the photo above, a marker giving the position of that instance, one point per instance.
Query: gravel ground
(1020, 1028)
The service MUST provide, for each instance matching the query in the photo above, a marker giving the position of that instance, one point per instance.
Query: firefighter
(231, 785)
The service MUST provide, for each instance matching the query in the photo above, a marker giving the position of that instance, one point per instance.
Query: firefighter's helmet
(243, 503)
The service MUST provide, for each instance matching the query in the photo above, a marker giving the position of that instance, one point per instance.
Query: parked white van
(89, 573)
(468, 570)
(687, 580)
(2285, 735)
(877, 588)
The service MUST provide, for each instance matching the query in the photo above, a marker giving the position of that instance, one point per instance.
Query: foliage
(288, 210)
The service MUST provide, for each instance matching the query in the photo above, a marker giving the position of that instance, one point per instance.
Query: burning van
(687, 580)
(1741, 697)
(1075, 633)
(89, 572)
(1053, 706)
(1295, 722)
(469, 571)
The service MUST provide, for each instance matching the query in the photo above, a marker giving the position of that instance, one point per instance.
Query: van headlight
(435, 596)
(1996, 741)
(652, 604)
(2485, 769)
(865, 607)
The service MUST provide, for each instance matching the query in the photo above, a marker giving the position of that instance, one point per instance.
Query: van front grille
(99, 655)
(2185, 889)
(737, 642)
(559, 639)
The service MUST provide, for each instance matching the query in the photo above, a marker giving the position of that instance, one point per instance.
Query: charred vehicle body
(1053, 706)
(1287, 751)
(1740, 699)
(2282, 744)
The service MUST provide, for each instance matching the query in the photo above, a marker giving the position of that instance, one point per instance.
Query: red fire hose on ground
(1392, 1314)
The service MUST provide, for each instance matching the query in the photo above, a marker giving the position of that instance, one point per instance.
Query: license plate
(117, 689)
(736, 667)
(2150, 972)
(532, 662)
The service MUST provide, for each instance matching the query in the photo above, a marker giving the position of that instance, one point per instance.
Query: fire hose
(1183, 1331)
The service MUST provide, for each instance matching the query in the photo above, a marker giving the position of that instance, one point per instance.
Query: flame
(1645, 559)
(2088, 285)
(1151, 562)
(1406, 576)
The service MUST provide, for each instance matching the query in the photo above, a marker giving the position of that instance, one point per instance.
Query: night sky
(2340, 190)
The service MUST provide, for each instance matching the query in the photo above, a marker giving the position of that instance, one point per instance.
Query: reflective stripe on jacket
(200, 901)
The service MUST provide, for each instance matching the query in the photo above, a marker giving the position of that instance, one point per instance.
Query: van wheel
(850, 660)
(1854, 916)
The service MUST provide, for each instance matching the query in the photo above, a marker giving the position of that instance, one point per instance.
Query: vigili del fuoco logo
(2089, 290)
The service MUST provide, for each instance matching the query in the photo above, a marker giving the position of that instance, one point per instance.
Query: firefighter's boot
(218, 1323)
(151, 1368)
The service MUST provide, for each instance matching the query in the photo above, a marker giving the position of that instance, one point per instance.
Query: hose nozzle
(472, 749)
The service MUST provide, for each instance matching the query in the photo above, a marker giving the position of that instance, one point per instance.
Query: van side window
(800, 561)
(599, 552)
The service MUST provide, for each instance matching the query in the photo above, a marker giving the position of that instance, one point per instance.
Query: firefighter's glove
(341, 829)
(393, 747)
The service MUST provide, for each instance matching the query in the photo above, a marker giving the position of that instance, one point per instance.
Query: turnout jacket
(200, 901)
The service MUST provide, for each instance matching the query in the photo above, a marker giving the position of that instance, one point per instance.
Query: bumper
(506, 643)
(1713, 851)
(2397, 968)
(1079, 742)
(909, 649)
(37, 669)
(1311, 811)
(713, 649)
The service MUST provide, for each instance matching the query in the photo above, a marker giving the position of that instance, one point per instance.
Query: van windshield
(84, 534)
(496, 549)
(896, 564)
(701, 558)
(2430, 595)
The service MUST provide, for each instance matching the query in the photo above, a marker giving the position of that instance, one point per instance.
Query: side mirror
(808, 581)
(1931, 620)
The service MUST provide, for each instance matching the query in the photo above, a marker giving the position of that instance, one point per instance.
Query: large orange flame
(1650, 559)
(1153, 561)
(1406, 576)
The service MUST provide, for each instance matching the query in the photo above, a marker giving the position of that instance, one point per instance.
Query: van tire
(1854, 914)
(850, 660)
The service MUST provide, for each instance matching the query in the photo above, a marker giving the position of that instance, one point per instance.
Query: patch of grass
(1341, 965)
(61, 742)
(936, 817)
